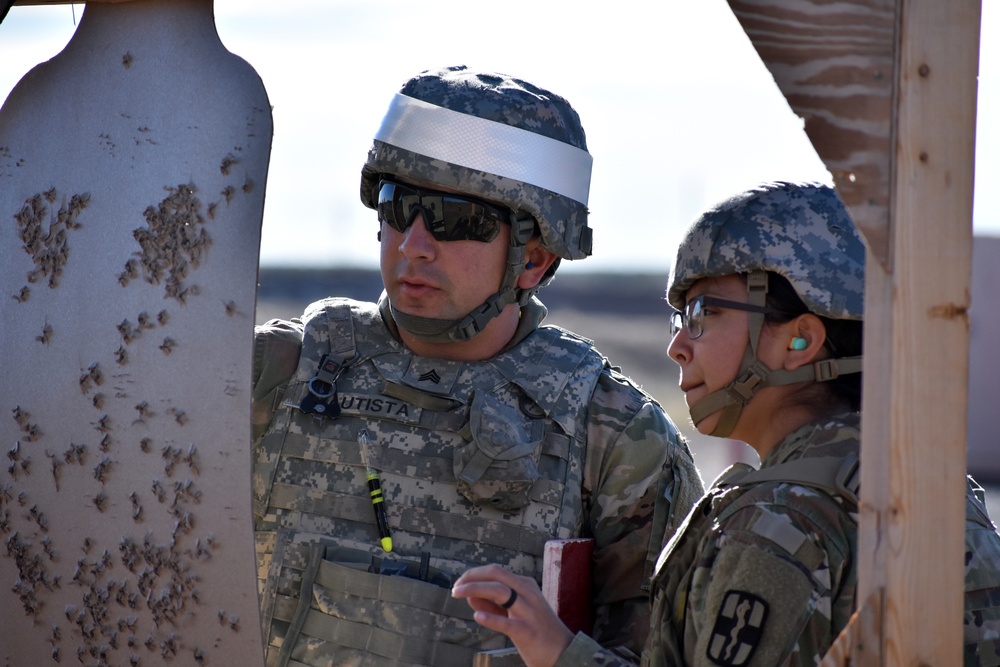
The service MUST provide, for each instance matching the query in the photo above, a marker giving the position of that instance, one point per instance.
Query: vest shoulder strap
(837, 476)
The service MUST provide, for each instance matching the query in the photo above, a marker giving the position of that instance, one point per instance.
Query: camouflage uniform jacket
(480, 462)
(764, 574)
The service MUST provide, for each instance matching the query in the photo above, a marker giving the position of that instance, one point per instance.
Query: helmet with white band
(498, 139)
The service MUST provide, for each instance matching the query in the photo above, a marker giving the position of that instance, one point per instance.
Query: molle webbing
(266, 456)
(446, 524)
(401, 597)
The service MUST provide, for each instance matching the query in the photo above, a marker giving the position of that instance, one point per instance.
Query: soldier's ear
(805, 336)
(537, 262)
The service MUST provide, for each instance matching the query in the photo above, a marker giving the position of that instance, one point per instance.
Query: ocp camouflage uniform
(763, 571)
(480, 462)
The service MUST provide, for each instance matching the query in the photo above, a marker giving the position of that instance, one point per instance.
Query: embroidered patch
(431, 375)
(738, 629)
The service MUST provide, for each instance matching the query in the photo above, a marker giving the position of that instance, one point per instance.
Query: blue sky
(678, 109)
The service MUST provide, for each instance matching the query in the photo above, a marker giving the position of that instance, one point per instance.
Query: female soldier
(768, 288)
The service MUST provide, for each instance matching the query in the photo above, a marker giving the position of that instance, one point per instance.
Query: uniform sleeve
(276, 355)
(583, 651)
(639, 483)
(772, 586)
(981, 625)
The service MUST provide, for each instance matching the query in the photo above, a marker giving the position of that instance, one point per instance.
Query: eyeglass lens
(690, 317)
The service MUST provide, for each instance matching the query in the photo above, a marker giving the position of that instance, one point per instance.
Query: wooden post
(916, 343)
(919, 232)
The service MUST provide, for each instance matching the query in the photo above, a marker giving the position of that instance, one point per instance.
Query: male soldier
(490, 434)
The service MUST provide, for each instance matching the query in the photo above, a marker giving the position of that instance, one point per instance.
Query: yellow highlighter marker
(375, 489)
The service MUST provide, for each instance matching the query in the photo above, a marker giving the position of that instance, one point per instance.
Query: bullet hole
(46, 334)
(130, 273)
(227, 163)
(50, 552)
(158, 491)
(136, 508)
(102, 469)
(101, 502)
(56, 467)
(167, 346)
(103, 424)
(145, 412)
(127, 331)
(191, 459)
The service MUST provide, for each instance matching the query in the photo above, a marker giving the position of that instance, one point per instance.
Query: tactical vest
(839, 478)
(836, 476)
(479, 462)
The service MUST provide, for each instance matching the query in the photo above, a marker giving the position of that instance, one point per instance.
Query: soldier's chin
(707, 425)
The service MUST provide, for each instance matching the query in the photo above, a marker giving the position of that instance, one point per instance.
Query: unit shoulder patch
(738, 629)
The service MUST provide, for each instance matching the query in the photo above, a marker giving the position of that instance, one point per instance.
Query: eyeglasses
(693, 316)
(447, 217)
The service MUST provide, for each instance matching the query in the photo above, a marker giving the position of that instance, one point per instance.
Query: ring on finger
(511, 600)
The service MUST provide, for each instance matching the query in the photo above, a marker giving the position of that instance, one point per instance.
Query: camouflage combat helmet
(496, 138)
(798, 230)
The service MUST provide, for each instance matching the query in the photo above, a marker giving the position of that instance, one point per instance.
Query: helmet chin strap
(754, 375)
(437, 330)
(731, 398)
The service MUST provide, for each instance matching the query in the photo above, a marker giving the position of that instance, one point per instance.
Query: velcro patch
(738, 629)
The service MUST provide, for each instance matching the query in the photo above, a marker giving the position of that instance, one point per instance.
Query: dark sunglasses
(447, 217)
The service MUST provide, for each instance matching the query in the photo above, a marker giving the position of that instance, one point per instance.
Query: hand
(538, 634)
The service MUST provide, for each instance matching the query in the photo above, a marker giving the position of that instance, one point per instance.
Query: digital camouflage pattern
(503, 99)
(480, 462)
(799, 230)
(981, 633)
(764, 574)
(782, 549)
